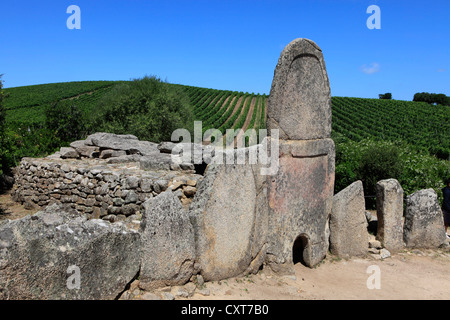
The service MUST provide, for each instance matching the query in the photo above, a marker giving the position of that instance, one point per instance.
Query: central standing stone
(300, 194)
(300, 97)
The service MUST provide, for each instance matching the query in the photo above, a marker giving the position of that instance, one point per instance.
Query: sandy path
(417, 274)
(12, 210)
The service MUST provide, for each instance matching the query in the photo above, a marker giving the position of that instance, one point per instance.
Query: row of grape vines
(222, 110)
(417, 123)
(37, 95)
(34, 114)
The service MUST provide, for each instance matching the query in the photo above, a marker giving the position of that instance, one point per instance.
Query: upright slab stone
(229, 222)
(59, 254)
(389, 195)
(168, 244)
(348, 223)
(424, 223)
(300, 97)
(300, 194)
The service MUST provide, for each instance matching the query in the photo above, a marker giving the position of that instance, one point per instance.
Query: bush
(64, 121)
(370, 160)
(378, 162)
(3, 145)
(147, 108)
(387, 96)
(27, 141)
(347, 162)
(432, 98)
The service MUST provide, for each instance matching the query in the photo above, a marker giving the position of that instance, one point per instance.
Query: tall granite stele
(300, 194)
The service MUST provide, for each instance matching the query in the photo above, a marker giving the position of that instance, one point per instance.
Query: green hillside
(417, 123)
(25, 105)
(418, 131)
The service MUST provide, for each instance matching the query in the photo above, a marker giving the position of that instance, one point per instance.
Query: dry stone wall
(97, 188)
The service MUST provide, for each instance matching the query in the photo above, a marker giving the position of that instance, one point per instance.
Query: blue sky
(227, 44)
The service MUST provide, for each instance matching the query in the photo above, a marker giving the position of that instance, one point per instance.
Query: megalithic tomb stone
(300, 194)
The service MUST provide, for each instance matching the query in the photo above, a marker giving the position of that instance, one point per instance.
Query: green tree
(147, 108)
(2, 129)
(386, 96)
(64, 121)
(437, 98)
(378, 162)
(441, 99)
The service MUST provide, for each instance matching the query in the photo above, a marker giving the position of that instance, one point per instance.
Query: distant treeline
(432, 98)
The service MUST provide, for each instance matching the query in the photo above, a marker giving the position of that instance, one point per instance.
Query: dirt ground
(409, 274)
(10, 209)
(416, 274)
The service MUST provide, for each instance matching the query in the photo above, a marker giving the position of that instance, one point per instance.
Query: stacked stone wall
(94, 187)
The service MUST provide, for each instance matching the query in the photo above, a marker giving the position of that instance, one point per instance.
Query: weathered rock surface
(68, 153)
(384, 253)
(424, 223)
(166, 147)
(109, 153)
(390, 214)
(168, 244)
(157, 161)
(40, 254)
(85, 150)
(348, 223)
(300, 197)
(224, 213)
(128, 143)
(124, 159)
(299, 104)
(300, 194)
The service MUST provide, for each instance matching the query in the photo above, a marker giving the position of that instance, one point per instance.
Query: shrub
(387, 96)
(378, 162)
(6, 153)
(2, 128)
(347, 162)
(65, 121)
(147, 107)
(370, 160)
(432, 98)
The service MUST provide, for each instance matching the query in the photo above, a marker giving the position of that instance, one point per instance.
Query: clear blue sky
(228, 44)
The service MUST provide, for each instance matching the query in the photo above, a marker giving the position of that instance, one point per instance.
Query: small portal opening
(200, 168)
(298, 249)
